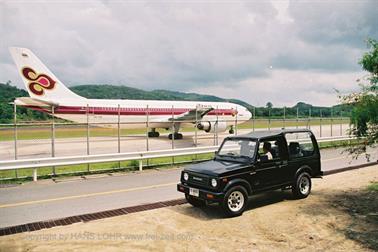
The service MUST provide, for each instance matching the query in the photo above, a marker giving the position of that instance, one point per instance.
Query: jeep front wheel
(302, 187)
(193, 201)
(235, 201)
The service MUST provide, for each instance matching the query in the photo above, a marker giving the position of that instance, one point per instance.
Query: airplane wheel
(153, 134)
(231, 131)
(177, 136)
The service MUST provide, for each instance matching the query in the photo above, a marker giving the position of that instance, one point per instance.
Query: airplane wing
(191, 115)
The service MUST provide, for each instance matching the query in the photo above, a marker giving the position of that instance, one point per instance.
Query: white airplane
(49, 95)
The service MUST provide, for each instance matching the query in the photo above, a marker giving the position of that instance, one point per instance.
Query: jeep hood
(214, 167)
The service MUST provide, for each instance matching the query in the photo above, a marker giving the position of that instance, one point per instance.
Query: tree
(365, 112)
(269, 105)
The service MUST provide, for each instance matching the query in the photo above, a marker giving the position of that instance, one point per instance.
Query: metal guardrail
(140, 156)
(102, 158)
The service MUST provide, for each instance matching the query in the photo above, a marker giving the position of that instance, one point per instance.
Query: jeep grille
(197, 179)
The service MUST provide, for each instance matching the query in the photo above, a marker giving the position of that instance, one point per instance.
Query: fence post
(147, 128)
(253, 118)
(215, 129)
(88, 152)
(119, 133)
(196, 132)
(53, 137)
(217, 126)
(309, 119)
(15, 135)
(35, 176)
(321, 117)
(195, 128)
(331, 122)
(236, 122)
(341, 123)
(141, 165)
(173, 133)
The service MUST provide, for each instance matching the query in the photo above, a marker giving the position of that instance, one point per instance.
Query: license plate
(194, 192)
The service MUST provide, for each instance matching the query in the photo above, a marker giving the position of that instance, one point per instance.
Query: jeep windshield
(241, 150)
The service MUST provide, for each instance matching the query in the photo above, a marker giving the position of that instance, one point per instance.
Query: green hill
(124, 92)
(8, 93)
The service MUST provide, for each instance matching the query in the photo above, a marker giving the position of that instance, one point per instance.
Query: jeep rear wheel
(235, 201)
(302, 187)
(194, 201)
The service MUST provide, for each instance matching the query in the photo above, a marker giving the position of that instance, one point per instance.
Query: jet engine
(211, 127)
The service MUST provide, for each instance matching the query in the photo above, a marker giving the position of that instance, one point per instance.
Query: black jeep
(253, 163)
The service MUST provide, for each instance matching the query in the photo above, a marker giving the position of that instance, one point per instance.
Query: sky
(257, 51)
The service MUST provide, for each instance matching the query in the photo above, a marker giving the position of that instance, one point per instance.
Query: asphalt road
(46, 199)
(37, 148)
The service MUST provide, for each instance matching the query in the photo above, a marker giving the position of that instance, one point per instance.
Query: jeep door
(271, 169)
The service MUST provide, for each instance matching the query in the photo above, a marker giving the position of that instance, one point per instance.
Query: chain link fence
(56, 138)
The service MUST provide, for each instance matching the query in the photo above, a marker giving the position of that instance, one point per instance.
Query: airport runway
(37, 148)
(45, 199)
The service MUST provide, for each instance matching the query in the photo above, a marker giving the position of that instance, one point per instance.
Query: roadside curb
(349, 168)
(29, 227)
(87, 217)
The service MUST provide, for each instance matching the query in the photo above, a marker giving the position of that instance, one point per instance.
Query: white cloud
(188, 46)
(287, 87)
(282, 8)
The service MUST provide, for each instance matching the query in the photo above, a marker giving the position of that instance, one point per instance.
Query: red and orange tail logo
(38, 82)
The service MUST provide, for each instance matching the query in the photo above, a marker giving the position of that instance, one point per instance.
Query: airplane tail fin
(40, 82)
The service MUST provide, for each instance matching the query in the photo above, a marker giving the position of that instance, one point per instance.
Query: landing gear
(231, 131)
(176, 136)
(175, 129)
(153, 133)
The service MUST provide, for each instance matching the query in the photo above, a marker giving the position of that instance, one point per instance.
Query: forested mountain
(124, 92)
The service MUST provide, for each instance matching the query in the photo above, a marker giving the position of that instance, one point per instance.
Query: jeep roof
(256, 135)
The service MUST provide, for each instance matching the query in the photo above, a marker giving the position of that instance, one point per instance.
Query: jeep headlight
(214, 183)
(186, 176)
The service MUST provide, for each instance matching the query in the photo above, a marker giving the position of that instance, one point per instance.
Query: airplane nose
(244, 113)
(248, 114)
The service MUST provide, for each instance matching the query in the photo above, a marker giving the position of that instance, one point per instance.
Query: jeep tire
(235, 201)
(302, 186)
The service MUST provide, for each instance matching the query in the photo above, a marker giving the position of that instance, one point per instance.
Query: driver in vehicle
(267, 150)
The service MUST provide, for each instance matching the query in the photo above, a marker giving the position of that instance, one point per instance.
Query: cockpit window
(237, 148)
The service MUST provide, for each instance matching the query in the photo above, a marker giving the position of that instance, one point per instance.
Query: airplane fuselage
(137, 113)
